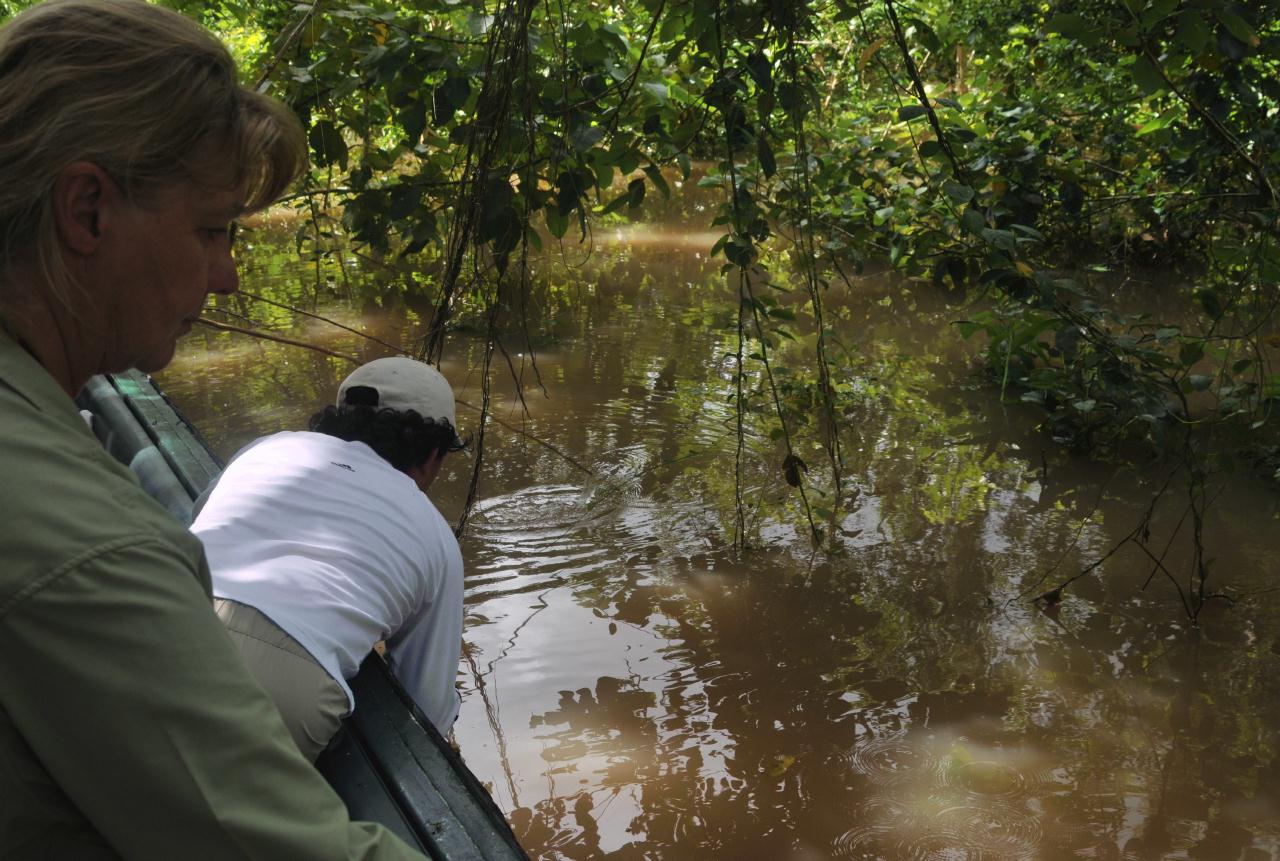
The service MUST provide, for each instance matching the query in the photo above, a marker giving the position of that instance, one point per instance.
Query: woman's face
(164, 257)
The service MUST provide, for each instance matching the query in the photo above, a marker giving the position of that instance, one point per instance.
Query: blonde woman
(129, 726)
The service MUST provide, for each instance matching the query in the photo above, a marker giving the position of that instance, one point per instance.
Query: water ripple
(999, 830)
(887, 760)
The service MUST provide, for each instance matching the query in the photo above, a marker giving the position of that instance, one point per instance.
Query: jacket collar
(20, 372)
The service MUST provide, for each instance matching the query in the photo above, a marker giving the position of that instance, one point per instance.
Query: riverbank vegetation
(1092, 184)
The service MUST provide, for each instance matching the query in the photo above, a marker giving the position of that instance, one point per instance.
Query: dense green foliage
(1034, 162)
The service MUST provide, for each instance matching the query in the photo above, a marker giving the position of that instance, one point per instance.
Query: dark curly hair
(403, 438)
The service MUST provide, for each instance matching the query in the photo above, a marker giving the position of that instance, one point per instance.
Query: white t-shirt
(340, 549)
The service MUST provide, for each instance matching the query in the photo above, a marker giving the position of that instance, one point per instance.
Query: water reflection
(635, 689)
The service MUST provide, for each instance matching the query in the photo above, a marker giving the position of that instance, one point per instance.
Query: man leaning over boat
(323, 542)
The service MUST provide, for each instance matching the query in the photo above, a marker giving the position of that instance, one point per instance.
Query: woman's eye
(227, 232)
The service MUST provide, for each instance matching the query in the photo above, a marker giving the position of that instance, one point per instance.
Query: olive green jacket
(128, 725)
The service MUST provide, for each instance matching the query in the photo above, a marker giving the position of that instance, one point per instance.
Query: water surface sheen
(633, 688)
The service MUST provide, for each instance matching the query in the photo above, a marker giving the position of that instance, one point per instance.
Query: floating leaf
(781, 762)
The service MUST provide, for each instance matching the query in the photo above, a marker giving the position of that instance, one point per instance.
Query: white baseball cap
(402, 383)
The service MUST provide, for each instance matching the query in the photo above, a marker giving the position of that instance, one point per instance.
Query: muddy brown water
(633, 687)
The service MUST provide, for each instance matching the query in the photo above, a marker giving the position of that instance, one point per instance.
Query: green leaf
(1001, 239)
(739, 251)
(760, 69)
(1154, 125)
(635, 192)
(557, 223)
(1147, 76)
(658, 180)
(413, 119)
(604, 173)
(618, 202)
(1190, 353)
(1069, 24)
(584, 137)
(1157, 10)
(1193, 31)
(958, 191)
(793, 468)
(448, 98)
(765, 154)
(969, 328)
(628, 161)
(1238, 27)
(911, 112)
(658, 91)
(973, 221)
(328, 145)
(1209, 301)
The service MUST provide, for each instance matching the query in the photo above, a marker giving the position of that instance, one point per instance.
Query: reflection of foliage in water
(821, 702)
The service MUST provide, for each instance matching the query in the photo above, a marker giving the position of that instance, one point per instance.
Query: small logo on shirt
(345, 466)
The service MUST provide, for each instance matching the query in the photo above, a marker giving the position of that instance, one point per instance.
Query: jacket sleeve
(124, 685)
(424, 651)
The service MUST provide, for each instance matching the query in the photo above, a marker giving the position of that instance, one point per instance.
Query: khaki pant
(310, 701)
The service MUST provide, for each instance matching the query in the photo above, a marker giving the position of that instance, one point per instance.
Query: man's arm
(124, 685)
(424, 652)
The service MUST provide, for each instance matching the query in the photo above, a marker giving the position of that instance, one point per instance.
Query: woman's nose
(224, 278)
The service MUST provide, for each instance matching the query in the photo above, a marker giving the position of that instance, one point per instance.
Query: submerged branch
(279, 339)
(342, 326)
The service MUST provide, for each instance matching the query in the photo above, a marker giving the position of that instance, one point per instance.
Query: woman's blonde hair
(144, 93)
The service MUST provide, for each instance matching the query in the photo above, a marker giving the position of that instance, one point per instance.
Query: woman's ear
(80, 196)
